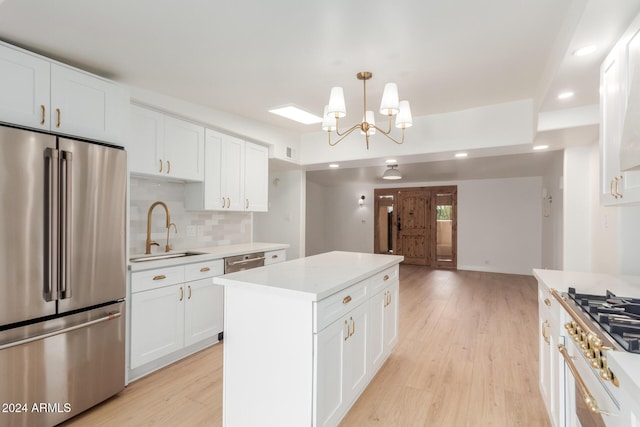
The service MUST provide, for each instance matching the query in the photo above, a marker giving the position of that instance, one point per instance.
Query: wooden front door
(414, 226)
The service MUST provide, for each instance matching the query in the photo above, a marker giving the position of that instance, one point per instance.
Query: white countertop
(624, 364)
(590, 283)
(207, 254)
(312, 278)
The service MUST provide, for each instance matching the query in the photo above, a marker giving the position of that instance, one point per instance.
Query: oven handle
(588, 398)
(595, 341)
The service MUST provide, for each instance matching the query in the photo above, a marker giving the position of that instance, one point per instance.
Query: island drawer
(333, 307)
(384, 278)
(157, 278)
(203, 270)
(273, 257)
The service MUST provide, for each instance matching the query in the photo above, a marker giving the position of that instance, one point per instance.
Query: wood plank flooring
(466, 356)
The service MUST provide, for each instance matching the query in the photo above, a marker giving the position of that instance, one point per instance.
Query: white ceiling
(246, 56)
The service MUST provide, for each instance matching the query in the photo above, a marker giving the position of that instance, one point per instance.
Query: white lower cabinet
(551, 365)
(172, 309)
(157, 320)
(383, 321)
(341, 369)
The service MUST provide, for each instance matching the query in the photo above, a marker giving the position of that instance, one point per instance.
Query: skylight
(294, 113)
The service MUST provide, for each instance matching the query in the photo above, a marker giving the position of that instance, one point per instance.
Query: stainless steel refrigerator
(62, 276)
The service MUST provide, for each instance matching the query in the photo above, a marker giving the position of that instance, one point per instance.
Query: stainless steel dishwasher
(243, 262)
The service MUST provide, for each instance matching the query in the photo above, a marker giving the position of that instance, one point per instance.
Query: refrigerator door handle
(50, 291)
(106, 318)
(65, 223)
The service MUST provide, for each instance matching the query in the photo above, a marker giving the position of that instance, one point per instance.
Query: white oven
(591, 390)
(590, 401)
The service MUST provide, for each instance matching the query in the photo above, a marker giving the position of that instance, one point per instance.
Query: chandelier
(389, 106)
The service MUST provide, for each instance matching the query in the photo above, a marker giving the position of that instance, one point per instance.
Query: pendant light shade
(389, 106)
(328, 120)
(392, 173)
(404, 119)
(336, 103)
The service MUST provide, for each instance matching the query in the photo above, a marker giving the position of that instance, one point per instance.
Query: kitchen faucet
(169, 224)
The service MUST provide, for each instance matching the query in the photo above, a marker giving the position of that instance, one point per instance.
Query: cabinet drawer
(335, 306)
(273, 257)
(152, 279)
(202, 270)
(384, 278)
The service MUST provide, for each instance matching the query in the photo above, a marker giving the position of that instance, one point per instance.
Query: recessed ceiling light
(540, 147)
(459, 155)
(392, 161)
(334, 165)
(586, 50)
(565, 95)
(294, 113)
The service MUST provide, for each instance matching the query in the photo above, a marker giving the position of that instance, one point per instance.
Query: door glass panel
(444, 227)
(385, 225)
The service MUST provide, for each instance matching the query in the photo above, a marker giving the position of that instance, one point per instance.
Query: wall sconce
(361, 201)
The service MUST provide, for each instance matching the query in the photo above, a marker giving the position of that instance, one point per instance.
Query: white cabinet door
(329, 371)
(256, 186)
(183, 149)
(87, 106)
(24, 89)
(232, 173)
(610, 107)
(618, 98)
(391, 317)
(212, 171)
(146, 141)
(203, 310)
(376, 349)
(157, 323)
(356, 353)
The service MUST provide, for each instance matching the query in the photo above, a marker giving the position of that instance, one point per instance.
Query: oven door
(589, 403)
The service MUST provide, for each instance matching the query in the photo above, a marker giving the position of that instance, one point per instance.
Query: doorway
(419, 223)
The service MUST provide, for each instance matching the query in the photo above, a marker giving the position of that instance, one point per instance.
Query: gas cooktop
(619, 316)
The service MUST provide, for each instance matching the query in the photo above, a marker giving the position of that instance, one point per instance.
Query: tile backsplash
(210, 228)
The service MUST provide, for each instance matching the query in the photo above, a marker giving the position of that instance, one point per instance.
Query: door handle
(51, 282)
(66, 213)
(44, 112)
(58, 122)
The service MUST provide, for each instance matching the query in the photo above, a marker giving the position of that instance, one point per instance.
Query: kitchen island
(303, 338)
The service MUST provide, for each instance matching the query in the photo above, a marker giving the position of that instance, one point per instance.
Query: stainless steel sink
(169, 255)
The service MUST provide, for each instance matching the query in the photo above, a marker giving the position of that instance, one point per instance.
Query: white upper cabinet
(630, 138)
(619, 109)
(24, 89)
(183, 149)
(236, 175)
(165, 146)
(232, 173)
(87, 106)
(37, 93)
(256, 178)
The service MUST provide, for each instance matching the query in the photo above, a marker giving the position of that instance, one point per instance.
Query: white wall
(552, 214)
(508, 124)
(499, 225)
(316, 242)
(499, 222)
(284, 223)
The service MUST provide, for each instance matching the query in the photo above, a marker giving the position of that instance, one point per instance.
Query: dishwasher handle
(245, 261)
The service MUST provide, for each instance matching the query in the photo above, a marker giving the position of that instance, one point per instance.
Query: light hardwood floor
(467, 356)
